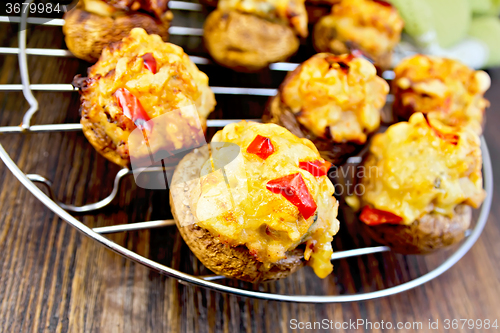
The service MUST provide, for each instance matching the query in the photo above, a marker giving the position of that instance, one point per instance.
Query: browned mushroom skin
(86, 34)
(246, 42)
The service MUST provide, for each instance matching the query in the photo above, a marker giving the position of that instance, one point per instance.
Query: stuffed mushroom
(261, 214)
(138, 83)
(315, 8)
(248, 35)
(371, 26)
(334, 101)
(444, 89)
(94, 24)
(420, 181)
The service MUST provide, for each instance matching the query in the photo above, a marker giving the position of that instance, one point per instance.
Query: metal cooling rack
(61, 209)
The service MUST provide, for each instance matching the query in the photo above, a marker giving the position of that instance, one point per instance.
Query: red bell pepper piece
(449, 137)
(317, 168)
(294, 189)
(261, 146)
(150, 62)
(373, 216)
(133, 109)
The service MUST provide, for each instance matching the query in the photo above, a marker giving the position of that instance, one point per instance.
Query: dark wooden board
(52, 279)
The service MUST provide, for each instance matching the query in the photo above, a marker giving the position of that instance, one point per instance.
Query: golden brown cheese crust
(86, 34)
(235, 262)
(443, 88)
(236, 206)
(416, 168)
(246, 42)
(427, 234)
(287, 12)
(337, 98)
(366, 25)
(177, 84)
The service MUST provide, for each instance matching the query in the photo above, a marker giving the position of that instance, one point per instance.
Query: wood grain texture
(52, 279)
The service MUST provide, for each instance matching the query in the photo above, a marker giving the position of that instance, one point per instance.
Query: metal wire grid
(61, 209)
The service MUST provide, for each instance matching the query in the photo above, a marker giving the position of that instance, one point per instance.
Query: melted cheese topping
(290, 12)
(335, 96)
(445, 89)
(412, 172)
(236, 206)
(177, 85)
(368, 25)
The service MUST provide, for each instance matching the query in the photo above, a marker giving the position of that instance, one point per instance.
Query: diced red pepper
(294, 189)
(317, 168)
(261, 146)
(133, 109)
(373, 216)
(449, 137)
(150, 62)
